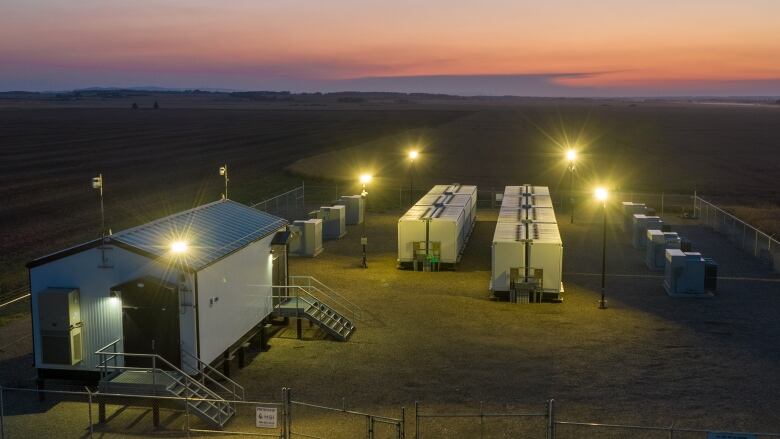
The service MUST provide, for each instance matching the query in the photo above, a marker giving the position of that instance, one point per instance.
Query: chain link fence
(481, 422)
(26, 413)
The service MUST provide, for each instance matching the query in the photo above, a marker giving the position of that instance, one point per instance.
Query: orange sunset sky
(552, 47)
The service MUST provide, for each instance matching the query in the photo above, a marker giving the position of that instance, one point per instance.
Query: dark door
(279, 271)
(150, 321)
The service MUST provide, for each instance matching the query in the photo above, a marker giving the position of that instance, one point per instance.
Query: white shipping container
(444, 224)
(508, 251)
(546, 253)
(531, 207)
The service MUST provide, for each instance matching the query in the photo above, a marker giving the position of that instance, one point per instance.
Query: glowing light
(571, 155)
(365, 178)
(179, 247)
(601, 194)
(413, 154)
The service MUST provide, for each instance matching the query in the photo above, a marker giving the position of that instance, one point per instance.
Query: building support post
(156, 413)
(226, 364)
(241, 357)
(40, 384)
(101, 411)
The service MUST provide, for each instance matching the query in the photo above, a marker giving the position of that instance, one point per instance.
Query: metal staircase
(327, 309)
(203, 402)
(211, 396)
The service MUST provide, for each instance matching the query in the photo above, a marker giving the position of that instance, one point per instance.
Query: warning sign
(265, 417)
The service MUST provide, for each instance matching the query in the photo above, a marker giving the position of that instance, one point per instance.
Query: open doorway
(150, 321)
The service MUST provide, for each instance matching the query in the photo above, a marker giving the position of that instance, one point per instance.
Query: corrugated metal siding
(211, 231)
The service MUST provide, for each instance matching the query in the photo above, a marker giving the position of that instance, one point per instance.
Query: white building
(193, 284)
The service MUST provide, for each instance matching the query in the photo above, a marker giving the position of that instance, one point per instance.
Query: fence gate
(323, 422)
(483, 423)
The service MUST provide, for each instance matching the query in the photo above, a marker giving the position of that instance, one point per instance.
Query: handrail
(736, 218)
(155, 358)
(320, 287)
(220, 375)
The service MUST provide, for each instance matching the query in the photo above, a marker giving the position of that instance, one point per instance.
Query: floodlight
(601, 194)
(179, 247)
(571, 155)
(222, 170)
(365, 178)
(413, 154)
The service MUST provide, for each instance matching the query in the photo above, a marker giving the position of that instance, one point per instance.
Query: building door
(279, 274)
(150, 321)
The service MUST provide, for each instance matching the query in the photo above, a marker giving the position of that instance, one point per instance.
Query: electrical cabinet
(355, 206)
(334, 221)
(684, 273)
(641, 224)
(657, 244)
(59, 320)
(306, 238)
(629, 209)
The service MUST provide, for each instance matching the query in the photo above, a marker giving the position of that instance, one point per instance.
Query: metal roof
(211, 232)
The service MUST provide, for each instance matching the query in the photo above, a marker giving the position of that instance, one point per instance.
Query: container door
(150, 321)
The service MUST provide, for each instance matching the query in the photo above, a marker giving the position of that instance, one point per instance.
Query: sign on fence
(724, 435)
(265, 417)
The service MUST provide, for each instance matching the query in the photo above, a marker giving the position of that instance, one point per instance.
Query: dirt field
(436, 338)
(154, 163)
(159, 161)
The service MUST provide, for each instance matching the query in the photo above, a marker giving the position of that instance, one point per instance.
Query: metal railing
(749, 238)
(204, 371)
(310, 283)
(156, 360)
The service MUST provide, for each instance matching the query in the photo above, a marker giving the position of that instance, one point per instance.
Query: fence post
(550, 419)
(755, 247)
(662, 204)
(288, 403)
(417, 420)
(402, 425)
(89, 410)
(2, 414)
(369, 427)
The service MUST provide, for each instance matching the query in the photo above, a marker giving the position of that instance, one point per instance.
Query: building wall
(101, 315)
(234, 295)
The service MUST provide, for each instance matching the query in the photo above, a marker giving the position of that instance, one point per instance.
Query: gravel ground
(436, 338)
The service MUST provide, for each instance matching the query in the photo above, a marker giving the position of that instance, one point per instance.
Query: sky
(486, 47)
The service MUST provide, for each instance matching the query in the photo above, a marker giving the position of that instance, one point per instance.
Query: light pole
(601, 195)
(97, 183)
(364, 180)
(412, 155)
(223, 171)
(571, 156)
